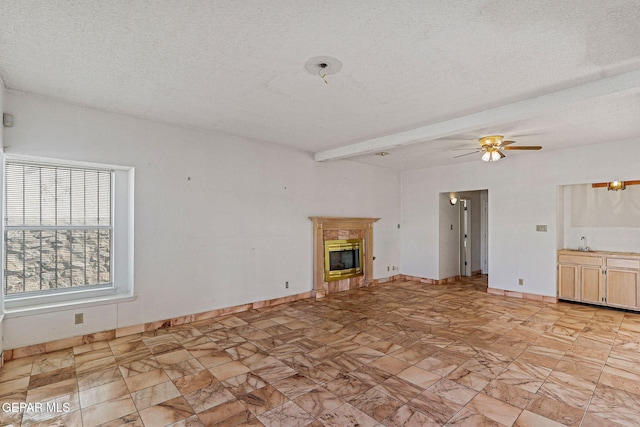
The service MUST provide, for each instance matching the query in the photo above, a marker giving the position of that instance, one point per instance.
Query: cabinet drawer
(580, 259)
(623, 263)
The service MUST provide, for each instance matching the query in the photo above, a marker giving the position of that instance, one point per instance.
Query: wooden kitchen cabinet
(580, 276)
(603, 278)
(622, 288)
(591, 284)
(568, 287)
(622, 282)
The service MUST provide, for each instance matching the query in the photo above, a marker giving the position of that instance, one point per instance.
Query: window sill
(67, 305)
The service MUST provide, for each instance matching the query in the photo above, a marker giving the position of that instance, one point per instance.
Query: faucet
(584, 246)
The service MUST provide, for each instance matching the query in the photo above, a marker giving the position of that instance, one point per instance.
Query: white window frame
(121, 255)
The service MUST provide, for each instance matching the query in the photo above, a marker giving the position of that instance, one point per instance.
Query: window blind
(58, 227)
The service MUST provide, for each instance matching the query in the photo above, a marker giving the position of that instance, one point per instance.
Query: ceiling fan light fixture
(491, 147)
(492, 140)
(491, 155)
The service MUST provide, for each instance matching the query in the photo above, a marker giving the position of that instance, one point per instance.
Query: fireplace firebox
(342, 259)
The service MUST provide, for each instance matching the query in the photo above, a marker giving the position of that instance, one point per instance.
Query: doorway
(463, 234)
(465, 237)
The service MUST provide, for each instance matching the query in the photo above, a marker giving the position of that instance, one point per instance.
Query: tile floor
(400, 354)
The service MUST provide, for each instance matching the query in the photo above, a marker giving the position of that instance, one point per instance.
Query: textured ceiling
(238, 66)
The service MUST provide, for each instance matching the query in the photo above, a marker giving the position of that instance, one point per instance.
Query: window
(62, 233)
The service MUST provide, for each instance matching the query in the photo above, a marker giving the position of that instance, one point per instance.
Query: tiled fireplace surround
(324, 228)
(340, 228)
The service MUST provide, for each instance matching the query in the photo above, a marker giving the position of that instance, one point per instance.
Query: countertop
(599, 253)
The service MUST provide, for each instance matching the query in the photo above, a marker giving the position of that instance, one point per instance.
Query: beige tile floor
(401, 354)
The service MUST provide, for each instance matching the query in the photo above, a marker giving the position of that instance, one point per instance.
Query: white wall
(522, 193)
(560, 217)
(484, 232)
(232, 234)
(2, 110)
(609, 220)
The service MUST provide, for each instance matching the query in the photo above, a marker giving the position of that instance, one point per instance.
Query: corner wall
(2, 110)
(522, 193)
(219, 220)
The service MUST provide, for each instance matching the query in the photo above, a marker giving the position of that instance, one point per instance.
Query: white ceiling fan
(491, 148)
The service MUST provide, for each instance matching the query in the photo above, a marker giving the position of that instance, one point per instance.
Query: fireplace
(342, 259)
(352, 241)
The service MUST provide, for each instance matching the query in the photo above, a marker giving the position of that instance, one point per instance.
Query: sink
(585, 249)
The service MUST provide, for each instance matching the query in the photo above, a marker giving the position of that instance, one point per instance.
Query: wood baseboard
(522, 295)
(390, 279)
(431, 281)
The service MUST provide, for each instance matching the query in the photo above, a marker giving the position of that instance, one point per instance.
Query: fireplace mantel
(330, 228)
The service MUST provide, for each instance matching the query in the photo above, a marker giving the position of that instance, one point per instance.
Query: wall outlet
(286, 285)
(7, 120)
(521, 282)
(79, 318)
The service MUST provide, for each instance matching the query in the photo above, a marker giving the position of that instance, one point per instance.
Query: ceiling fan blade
(466, 154)
(501, 154)
(524, 147)
(506, 143)
(470, 148)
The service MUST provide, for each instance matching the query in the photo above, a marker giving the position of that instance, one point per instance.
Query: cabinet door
(622, 288)
(568, 282)
(591, 284)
